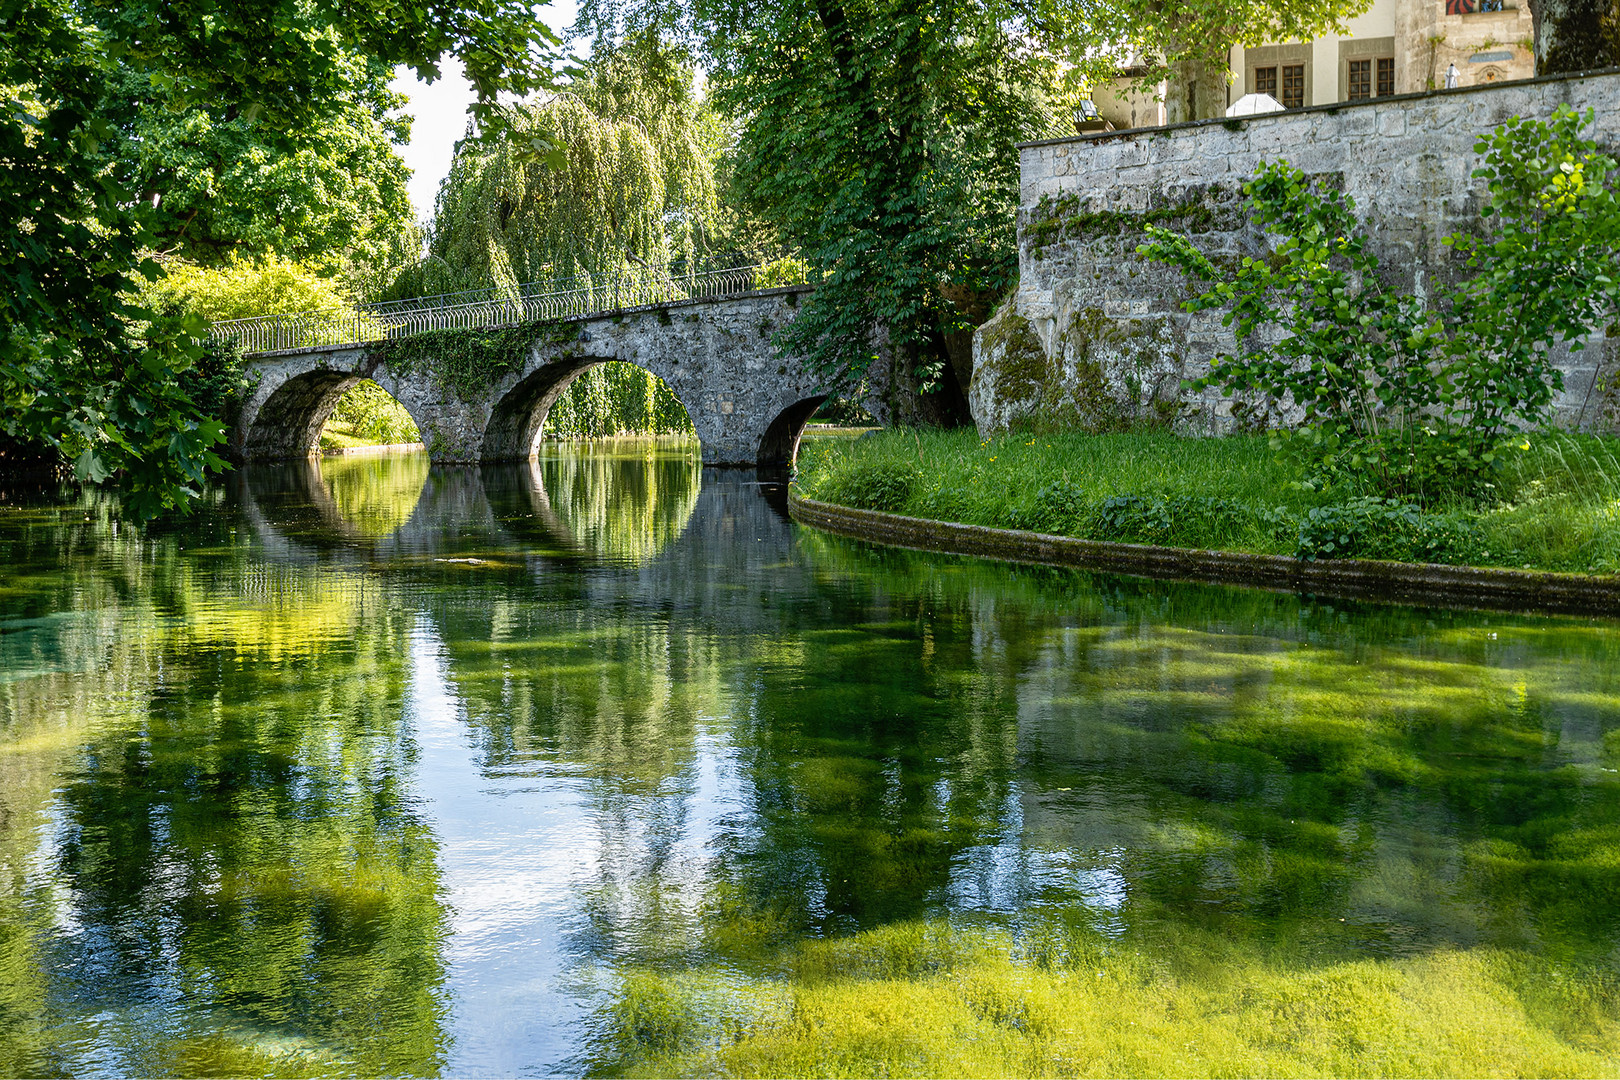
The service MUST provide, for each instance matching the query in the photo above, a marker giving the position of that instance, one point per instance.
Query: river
(592, 765)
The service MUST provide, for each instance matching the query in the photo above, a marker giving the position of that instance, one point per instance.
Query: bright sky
(440, 113)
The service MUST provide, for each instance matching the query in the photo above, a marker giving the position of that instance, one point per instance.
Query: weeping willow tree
(613, 177)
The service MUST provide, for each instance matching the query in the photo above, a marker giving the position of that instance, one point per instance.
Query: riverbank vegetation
(1554, 506)
(139, 130)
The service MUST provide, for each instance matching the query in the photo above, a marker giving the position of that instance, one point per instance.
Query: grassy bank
(1553, 507)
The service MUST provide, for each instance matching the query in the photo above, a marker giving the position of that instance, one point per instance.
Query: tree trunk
(1576, 35)
(1196, 90)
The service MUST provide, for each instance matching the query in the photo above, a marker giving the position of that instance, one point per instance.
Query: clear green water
(602, 765)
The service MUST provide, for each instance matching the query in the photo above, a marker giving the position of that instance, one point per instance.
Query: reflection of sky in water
(521, 842)
(510, 863)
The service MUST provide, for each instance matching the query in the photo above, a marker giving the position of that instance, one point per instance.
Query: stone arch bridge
(748, 406)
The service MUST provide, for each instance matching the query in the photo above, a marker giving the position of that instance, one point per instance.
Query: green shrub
(874, 485)
(1177, 521)
(1061, 509)
(1376, 528)
(246, 289)
(218, 381)
(1395, 395)
(780, 272)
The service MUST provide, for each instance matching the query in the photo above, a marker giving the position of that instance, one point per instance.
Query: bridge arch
(770, 436)
(748, 405)
(780, 443)
(288, 423)
(283, 415)
(519, 416)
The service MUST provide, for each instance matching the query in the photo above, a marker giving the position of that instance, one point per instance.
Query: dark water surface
(371, 768)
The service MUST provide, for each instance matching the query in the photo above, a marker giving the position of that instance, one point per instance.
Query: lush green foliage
(1557, 508)
(82, 370)
(1368, 527)
(221, 184)
(1404, 397)
(366, 414)
(245, 289)
(268, 286)
(884, 484)
(628, 186)
(876, 138)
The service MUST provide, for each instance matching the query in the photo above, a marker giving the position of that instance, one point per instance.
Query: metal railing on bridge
(540, 300)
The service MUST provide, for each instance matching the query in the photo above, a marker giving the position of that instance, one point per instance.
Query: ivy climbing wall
(1094, 336)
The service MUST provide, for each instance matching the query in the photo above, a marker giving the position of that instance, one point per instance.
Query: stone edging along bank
(1419, 583)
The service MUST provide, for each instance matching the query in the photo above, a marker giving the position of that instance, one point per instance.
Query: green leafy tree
(878, 137)
(1189, 42)
(1407, 397)
(82, 369)
(627, 185)
(245, 289)
(330, 193)
(272, 285)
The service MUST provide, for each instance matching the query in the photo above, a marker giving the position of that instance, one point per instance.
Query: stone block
(1357, 121)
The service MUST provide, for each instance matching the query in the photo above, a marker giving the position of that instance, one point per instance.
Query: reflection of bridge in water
(614, 509)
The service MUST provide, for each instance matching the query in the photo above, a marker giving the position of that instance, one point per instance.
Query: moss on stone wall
(1011, 349)
(1105, 375)
(1120, 370)
(469, 361)
(1067, 218)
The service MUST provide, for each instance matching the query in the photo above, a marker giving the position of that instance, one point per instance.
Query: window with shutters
(1360, 79)
(1293, 88)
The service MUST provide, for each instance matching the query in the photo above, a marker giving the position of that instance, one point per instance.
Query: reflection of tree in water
(617, 710)
(375, 494)
(316, 504)
(1308, 782)
(621, 500)
(771, 737)
(236, 880)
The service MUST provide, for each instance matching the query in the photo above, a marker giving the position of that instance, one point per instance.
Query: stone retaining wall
(1415, 583)
(1095, 334)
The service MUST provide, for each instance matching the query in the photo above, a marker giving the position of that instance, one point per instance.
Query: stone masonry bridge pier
(748, 406)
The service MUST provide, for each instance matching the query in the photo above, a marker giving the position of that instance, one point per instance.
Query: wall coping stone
(1466, 587)
(1234, 122)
